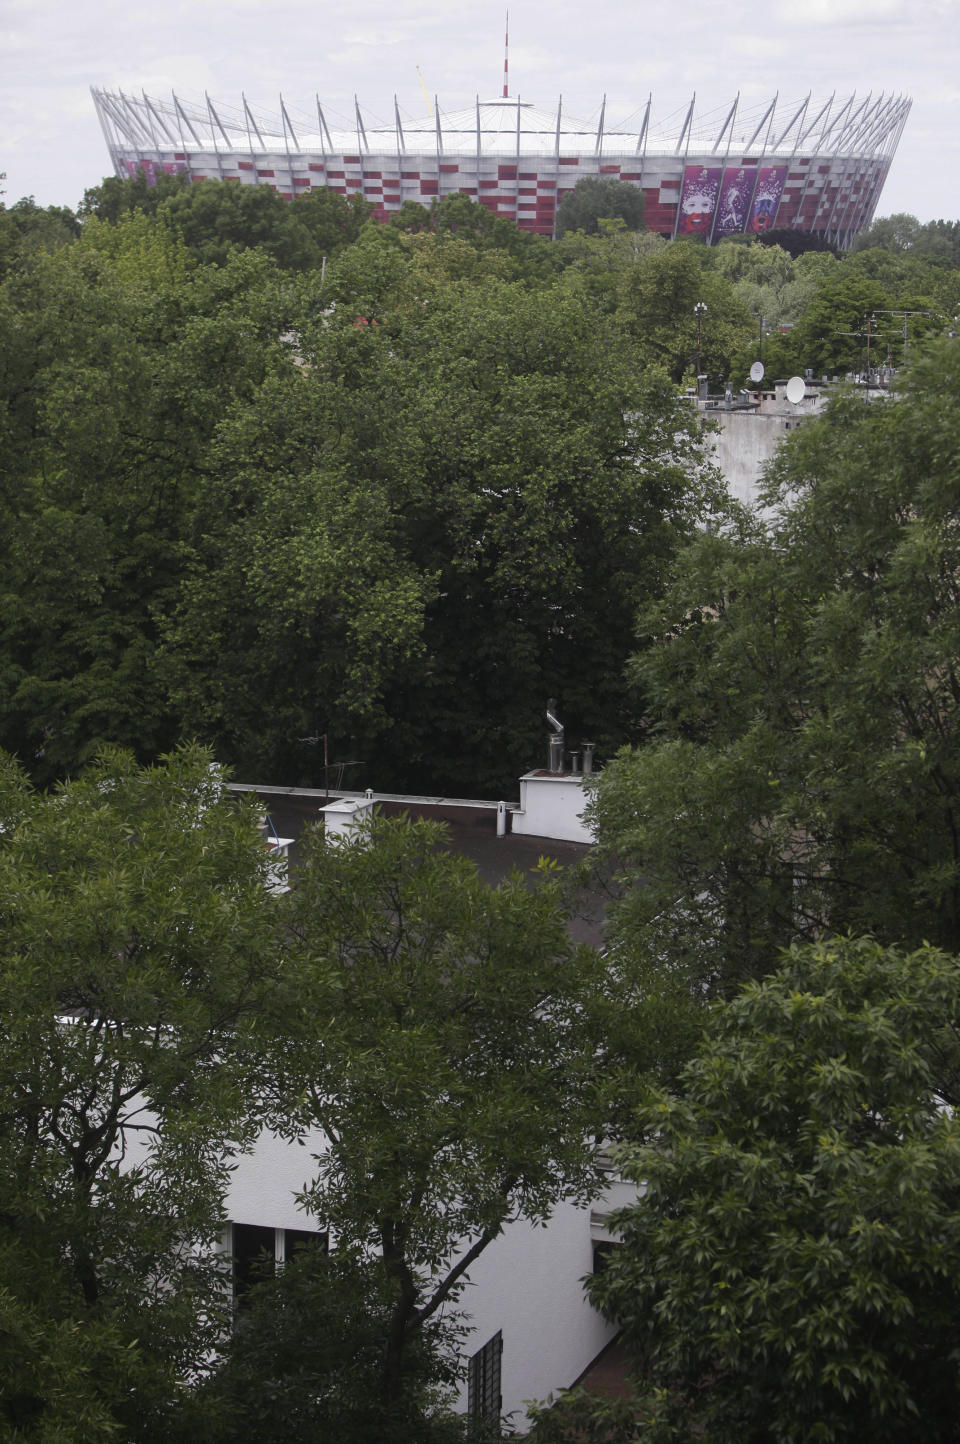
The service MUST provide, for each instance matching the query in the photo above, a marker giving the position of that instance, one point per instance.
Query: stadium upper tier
(816, 166)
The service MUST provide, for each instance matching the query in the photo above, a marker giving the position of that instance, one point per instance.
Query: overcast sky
(51, 145)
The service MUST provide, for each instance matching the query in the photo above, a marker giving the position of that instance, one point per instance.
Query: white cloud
(808, 13)
(374, 36)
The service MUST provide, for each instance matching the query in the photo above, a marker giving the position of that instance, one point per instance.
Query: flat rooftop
(472, 833)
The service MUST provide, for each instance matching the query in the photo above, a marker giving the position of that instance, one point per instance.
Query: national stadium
(811, 165)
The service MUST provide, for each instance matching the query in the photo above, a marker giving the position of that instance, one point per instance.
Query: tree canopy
(136, 944)
(444, 1043)
(113, 388)
(304, 1363)
(792, 1268)
(482, 472)
(402, 496)
(594, 200)
(800, 772)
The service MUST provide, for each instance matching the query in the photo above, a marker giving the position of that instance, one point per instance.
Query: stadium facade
(812, 165)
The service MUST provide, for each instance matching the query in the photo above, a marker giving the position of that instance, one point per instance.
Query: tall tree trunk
(404, 1310)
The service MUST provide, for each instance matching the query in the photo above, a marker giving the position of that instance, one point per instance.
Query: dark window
(253, 1256)
(300, 1240)
(483, 1380)
(602, 1250)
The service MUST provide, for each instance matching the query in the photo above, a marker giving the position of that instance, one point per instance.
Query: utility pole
(906, 316)
(869, 334)
(699, 310)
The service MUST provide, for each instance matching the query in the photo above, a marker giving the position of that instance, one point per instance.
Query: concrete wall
(743, 446)
(748, 437)
(551, 804)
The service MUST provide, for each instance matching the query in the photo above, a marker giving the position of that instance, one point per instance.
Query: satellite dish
(756, 371)
(796, 389)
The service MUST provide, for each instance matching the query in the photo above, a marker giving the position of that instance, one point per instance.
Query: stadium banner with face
(698, 199)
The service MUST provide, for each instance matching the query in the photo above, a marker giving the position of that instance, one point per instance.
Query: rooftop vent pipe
(555, 751)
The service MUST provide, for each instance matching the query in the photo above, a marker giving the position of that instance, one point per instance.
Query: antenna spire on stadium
(506, 47)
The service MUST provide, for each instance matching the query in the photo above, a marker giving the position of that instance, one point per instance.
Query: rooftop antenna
(426, 94)
(506, 47)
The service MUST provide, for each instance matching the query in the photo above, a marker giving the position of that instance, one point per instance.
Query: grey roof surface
(472, 834)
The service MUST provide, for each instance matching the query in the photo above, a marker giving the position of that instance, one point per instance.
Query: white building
(532, 1329)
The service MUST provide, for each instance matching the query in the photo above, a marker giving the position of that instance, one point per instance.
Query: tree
(136, 942)
(481, 467)
(895, 233)
(27, 229)
(297, 607)
(801, 773)
(142, 249)
(305, 1359)
(792, 1269)
(657, 299)
(333, 221)
(216, 218)
(596, 199)
(848, 313)
(114, 198)
(114, 371)
(445, 1047)
(766, 279)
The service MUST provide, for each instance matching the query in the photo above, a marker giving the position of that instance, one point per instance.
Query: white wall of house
(528, 1283)
(265, 1183)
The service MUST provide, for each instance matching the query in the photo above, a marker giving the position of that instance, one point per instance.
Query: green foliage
(230, 511)
(594, 200)
(657, 299)
(936, 241)
(831, 334)
(505, 249)
(27, 230)
(113, 374)
(115, 198)
(136, 942)
(297, 606)
(478, 466)
(142, 249)
(802, 771)
(216, 218)
(792, 1269)
(404, 503)
(305, 1359)
(459, 1086)
(331, 220)
(767, 281)
(581, 1417)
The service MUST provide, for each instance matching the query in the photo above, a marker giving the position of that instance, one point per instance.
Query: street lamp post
(699, 310)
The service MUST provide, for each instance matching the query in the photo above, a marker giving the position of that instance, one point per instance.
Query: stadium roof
(854, 125)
